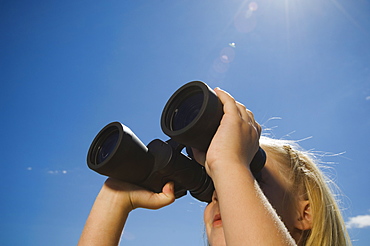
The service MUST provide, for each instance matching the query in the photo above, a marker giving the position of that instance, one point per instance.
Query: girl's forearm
(107, 218)
(247, 216)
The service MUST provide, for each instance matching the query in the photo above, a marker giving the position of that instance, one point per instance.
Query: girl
(290, 205)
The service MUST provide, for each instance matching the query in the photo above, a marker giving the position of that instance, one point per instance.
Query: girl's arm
(111, 208)
(247, 216)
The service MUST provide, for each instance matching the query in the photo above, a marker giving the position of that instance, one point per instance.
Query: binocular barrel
(190, 118)
(117, 152)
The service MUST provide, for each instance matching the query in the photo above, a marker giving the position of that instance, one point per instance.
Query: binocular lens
(105, 145)
(192, 115)
(186, 111)
(108, 146)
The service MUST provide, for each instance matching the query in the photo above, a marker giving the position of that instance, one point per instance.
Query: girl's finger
(228, 101)
(248, 116)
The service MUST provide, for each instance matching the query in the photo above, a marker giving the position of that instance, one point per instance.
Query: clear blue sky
(67, 68)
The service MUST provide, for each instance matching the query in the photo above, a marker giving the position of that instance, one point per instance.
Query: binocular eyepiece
(190, 118)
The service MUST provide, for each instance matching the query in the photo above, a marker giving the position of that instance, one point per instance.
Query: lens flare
(219, 66)
(253, 6)
(227, 55)
(232, 45)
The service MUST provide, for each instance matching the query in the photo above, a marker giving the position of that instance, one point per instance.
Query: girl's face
(213, 223)
(276, 189)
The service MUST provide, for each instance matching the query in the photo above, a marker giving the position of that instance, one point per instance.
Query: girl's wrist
(116, 196)
(220, 168)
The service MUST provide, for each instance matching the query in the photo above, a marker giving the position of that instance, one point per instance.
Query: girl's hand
(237, 137)
(137, 197)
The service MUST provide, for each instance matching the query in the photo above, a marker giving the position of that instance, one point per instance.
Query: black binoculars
(190, 118)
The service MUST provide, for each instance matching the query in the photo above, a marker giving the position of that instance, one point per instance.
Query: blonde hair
(328, 227)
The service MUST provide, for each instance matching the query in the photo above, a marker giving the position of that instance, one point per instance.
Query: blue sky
(68, 68)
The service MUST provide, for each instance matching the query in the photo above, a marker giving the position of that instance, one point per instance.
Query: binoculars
(190, 118)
